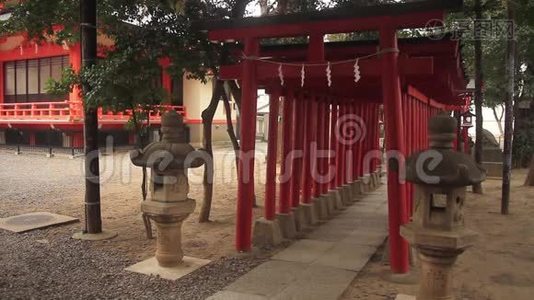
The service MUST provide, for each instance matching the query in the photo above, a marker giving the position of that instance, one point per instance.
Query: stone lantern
(437, 231)
(169, 204)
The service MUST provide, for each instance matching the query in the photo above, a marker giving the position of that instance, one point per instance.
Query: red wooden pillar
(2, 82)
(75, 61)
(317, 167)
(314, 147)
(391, 92)
(245, 188)
(307, 180)
(340, 153)
(77, 140)
(364, 141)
(326, 145)
(354, 111)
(465, 134)
(405, 112)
(272, 146)
(333, 144)
(374, 135)
(166, 80)
(284, 206)
(298, 139)
(358, 161)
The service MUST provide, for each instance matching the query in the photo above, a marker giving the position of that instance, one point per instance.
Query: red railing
(155, 116)
(35, 111)
(69, 112)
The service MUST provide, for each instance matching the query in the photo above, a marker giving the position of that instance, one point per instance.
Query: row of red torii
(406, 80)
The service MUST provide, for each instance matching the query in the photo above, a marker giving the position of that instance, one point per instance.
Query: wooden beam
(347, 25)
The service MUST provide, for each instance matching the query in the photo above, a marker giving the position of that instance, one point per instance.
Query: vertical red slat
(272, 145)
(245, 189)
(298, 138)
(284, 206)
(333, 144)
(391, 93)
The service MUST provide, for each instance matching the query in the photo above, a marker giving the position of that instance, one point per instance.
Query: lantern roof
(172, 152)
(441, 165)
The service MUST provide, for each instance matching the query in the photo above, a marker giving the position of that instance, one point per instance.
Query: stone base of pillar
(321, 203)
(310, 216)
(300, 219)
(331, 201)
(357, 190)
(379, 178)
(266, 233)
(339, 195)
(347, 195)
(373, 185)
(316, 211)
(365, 184)
(287, 225)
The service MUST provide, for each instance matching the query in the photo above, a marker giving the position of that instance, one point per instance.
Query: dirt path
(45, 264)
(499, 266)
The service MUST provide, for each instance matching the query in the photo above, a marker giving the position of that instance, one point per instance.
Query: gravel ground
(35, 268)
(48, 264)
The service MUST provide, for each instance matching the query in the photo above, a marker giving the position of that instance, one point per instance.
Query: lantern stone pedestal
(152, 267)
(169, 204)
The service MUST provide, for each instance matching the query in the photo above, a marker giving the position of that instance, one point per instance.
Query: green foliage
(63, 86)
(143, 31)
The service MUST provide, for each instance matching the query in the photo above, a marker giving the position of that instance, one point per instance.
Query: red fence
(70, 112)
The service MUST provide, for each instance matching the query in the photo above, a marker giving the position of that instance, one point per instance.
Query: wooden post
(284, 198)
(272, 145)
(298, 138)
(391, 92)
(93, 219)
(318, 168)
(338, 135)
(326, 144)
(311, 126)
(509, 112)
(333, 144)
(245, 188)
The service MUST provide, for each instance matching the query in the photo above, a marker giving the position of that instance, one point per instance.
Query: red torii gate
(428, 70)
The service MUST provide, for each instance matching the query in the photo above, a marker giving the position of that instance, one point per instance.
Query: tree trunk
(508, 115)
(529, 181)
(93, 219)
(207, 121)
(479, 96)
(498, 120)
(230, 128)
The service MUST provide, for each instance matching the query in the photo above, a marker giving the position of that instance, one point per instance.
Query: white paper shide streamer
(357, 73)
(281, 75)
(329, 74)
(302, 76)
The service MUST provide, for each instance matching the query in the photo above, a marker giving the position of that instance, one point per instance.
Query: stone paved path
(324, 263)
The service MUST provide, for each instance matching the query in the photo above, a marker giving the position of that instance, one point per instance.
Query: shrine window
(26, 80)
(177, 92)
